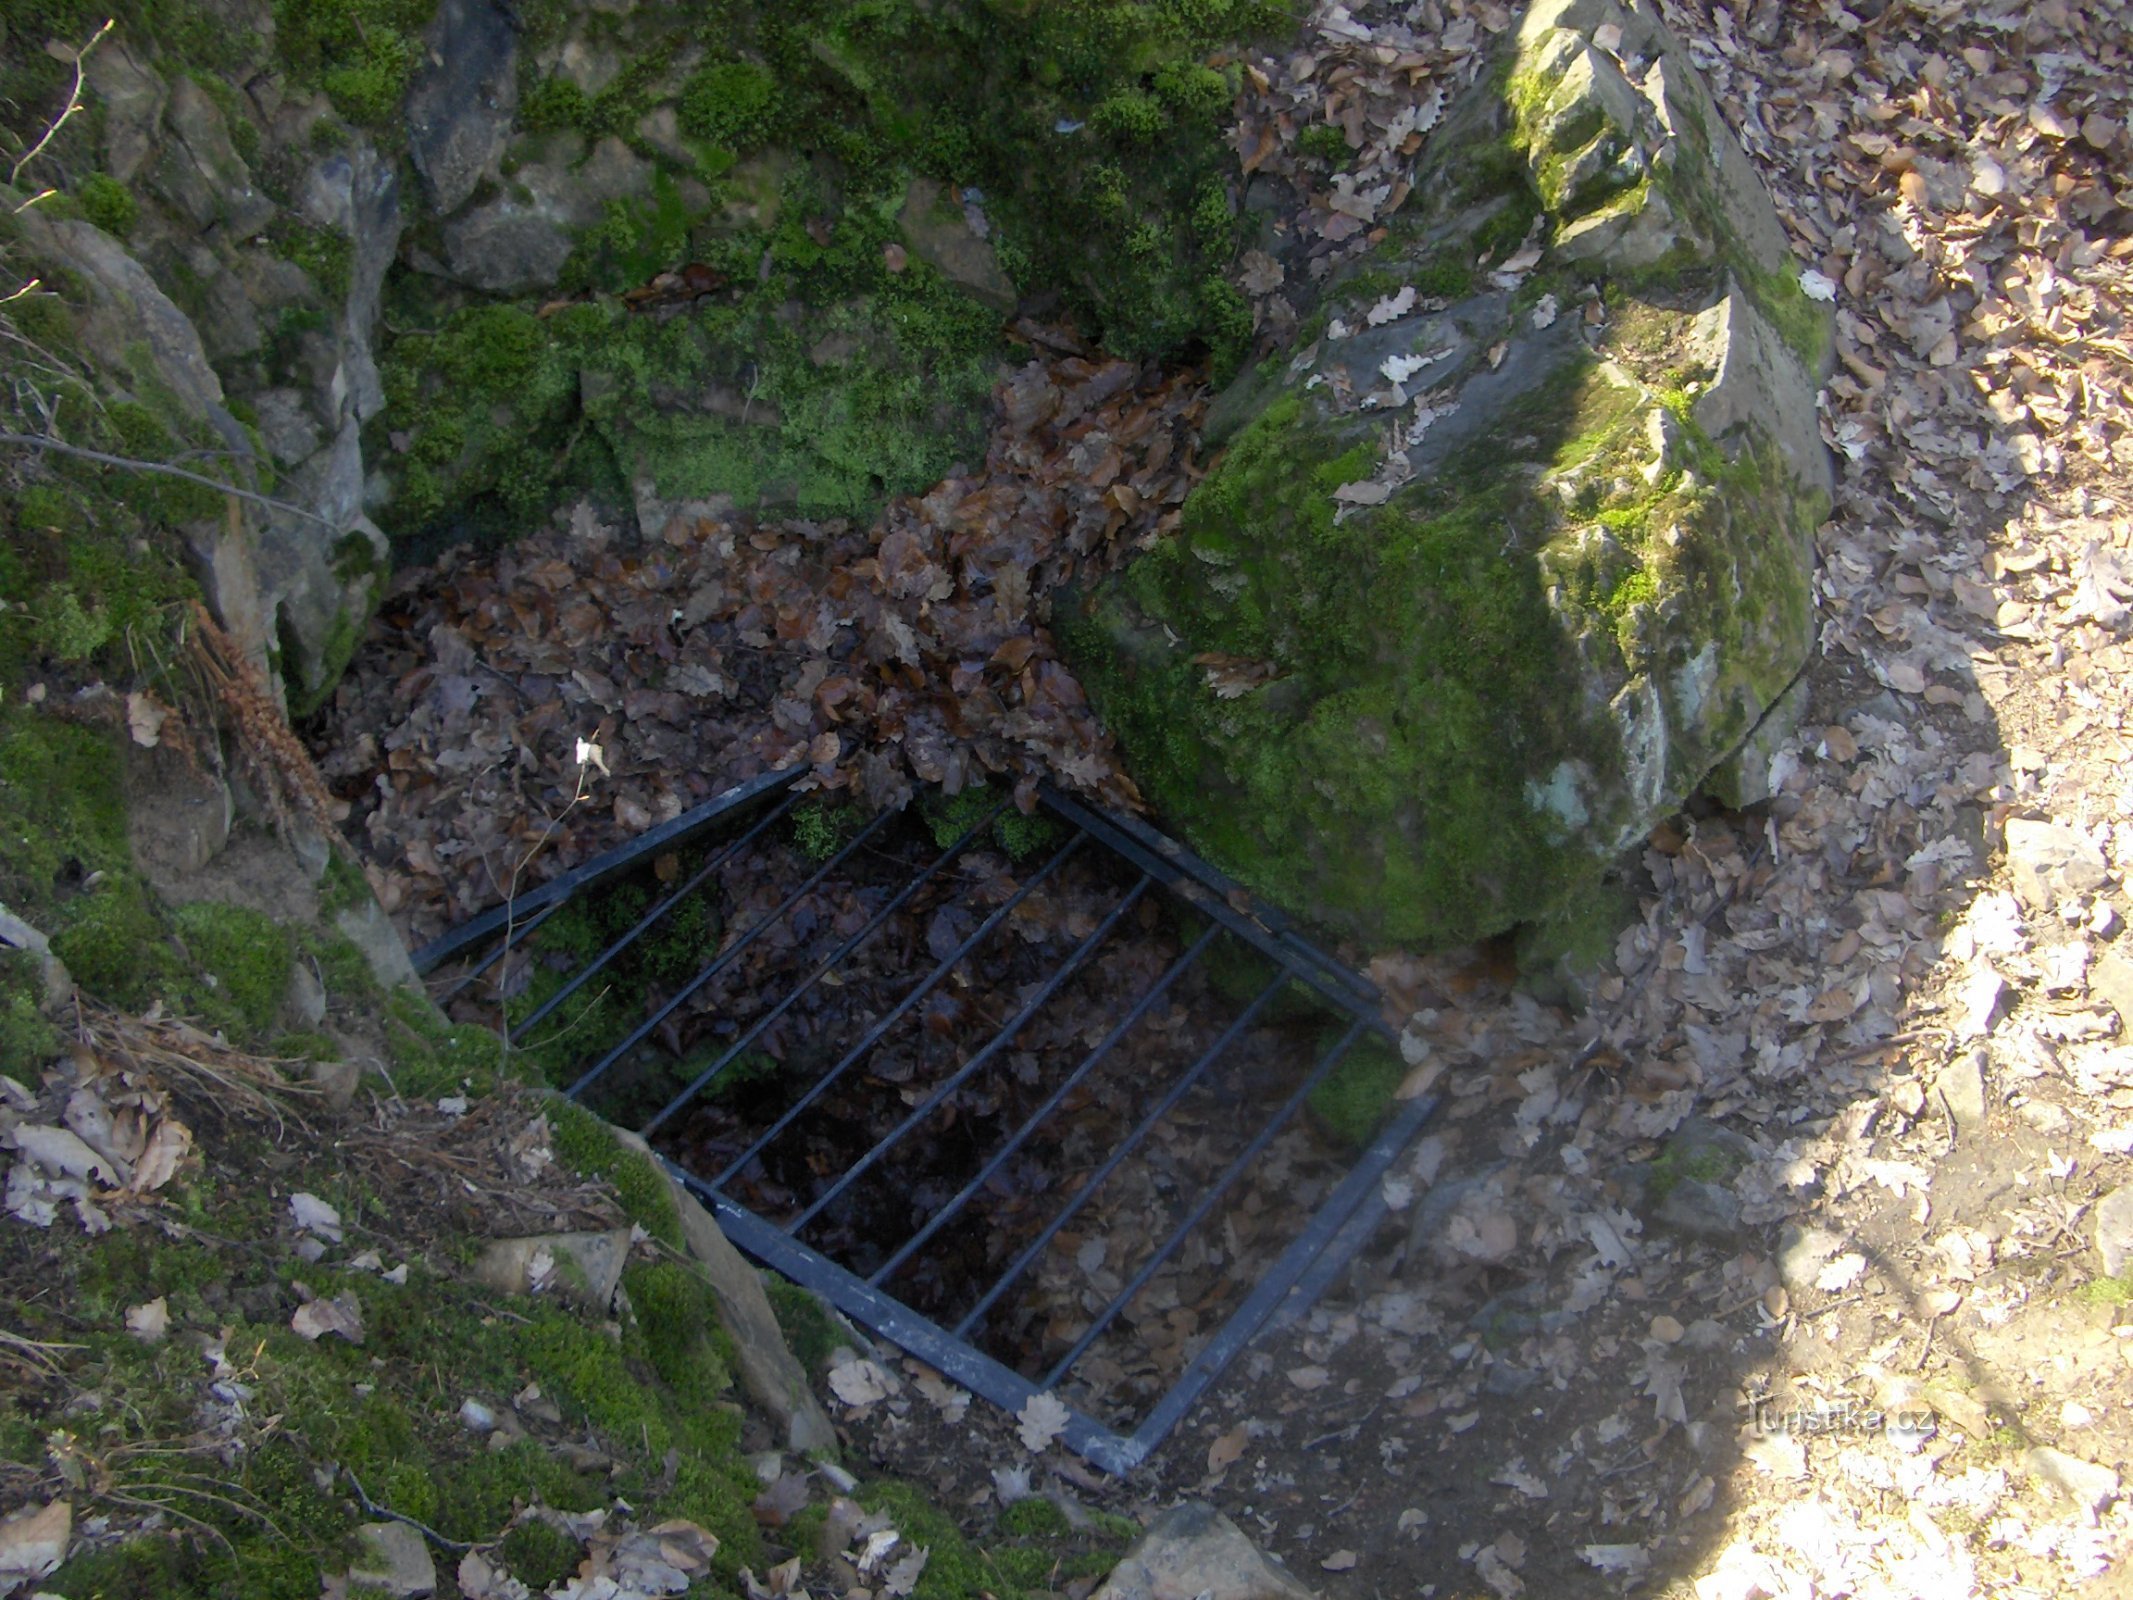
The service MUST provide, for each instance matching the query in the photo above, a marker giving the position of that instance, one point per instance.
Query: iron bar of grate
(513, 934)
(829, 963)
(604, 865)
(1336, 1228)
(1000, 1040)
(1206, 1203)
(724, 959)
(1341, 1226)
(908, 1329)
(1206, 890)
(1119, 1152)
(873, 1035)
(650, 919)
(1052, 1102)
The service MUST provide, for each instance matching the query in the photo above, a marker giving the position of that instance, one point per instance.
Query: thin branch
(377, 1510)
(73, 101)
(32, 441)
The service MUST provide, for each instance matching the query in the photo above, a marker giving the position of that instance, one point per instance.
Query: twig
(588, 755)
(32, 441)
(73, 105)
(377, 1510)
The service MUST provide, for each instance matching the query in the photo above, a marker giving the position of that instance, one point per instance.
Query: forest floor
(1781, 1269)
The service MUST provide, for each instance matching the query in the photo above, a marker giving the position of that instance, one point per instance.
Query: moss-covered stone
(839, 364)
(1522, 575)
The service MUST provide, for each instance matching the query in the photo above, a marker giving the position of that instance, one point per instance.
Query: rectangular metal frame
(1339, 1226)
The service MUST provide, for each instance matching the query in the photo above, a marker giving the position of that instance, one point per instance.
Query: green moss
(310, 675)
(1444, 278)
(342, 887)
(1704, 1163)
(360, 52)
(2103, 1291)
(108, 203)
(677, 1320)
(433, 1057)
(505, 410)
(1033, 1517)
(810, 1331)
(539, 1555)
(949, 816)
(1402, 756)
(1354, 1098)
(113, 944)
(325, 254)
(1194, 92)
(1036, 1550)
(28, 1041)
(339, 965)
(1024, 836)
(246, 959)
(732, 104)
(65, 863)
(588, 1146)
(553, 105)
(1130, 117)
(1322, 141)
(820, 829)
(304, 1046)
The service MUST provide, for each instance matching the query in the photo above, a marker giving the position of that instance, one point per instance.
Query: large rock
(939, 231)
(1192, 1551)
(140, 346)
(201, 174)
(1514, 549)
(519, 241)
(133, 96)
(462, 101)
(770, 1373)
(215, 292)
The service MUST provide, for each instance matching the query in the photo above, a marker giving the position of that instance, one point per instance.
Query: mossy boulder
(1514, 548)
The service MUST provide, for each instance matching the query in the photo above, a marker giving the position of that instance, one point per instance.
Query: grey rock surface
(2088, 1486)
(584, 1267)
(1961, 1083)
(1193, 1551)
(2111, 981)
(462, 101)
(2051, 862)
(939, 233)
(769, 1372)
(133, 96)
(519, 241)
(1803, 1252)
(200, 172)
(392, 1559)
(2113, 1223)
(1700, 1210)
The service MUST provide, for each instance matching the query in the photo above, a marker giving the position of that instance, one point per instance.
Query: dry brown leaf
(341, 1315)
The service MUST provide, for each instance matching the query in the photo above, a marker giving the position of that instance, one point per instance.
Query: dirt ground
(1776, 1273)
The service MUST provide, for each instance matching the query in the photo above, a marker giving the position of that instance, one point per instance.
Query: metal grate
(980, 1099)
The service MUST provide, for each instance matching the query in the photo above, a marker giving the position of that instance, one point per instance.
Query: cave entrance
(1044, 1100)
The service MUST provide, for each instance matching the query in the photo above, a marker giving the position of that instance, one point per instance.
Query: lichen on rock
(1513, 549)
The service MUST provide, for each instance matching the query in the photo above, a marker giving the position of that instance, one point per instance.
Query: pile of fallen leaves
(1383, 84)
(104, 1133)
(701, 653)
